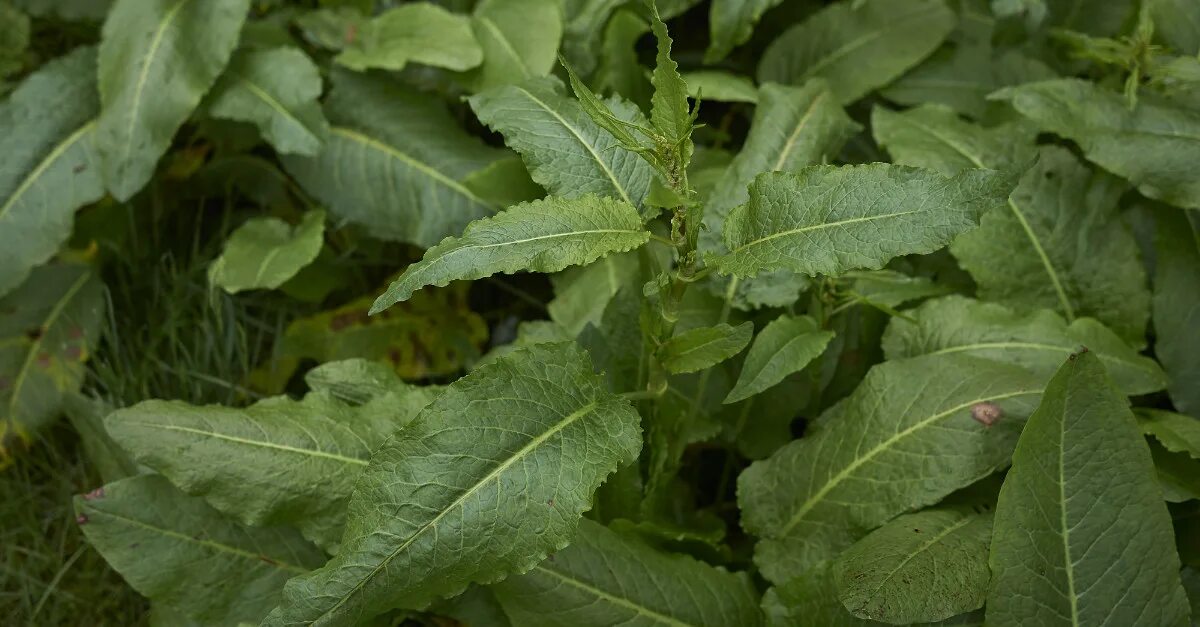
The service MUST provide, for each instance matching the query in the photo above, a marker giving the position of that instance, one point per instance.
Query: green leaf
(276, 90)
(1177, 306)
(786, 345)
(48, 327)
(857, 45)
(264, 253)
(669, 105)
(720, 86)
(1177, 433)
(581, 294)
(86, 416)
(620, 72)
(14, 42)
(921, 567)
(905, 438)
(67, 9)
(47, 166)
(542, 236)
(487, 481)
(519, 39)
(607, 578)
(1177, 22)
(290, 462)
(1038, 340)
(176, 550)
(585, 23)
(888, 288)
(828, 220)
(934, 137)
(697, 349)
(1177, 473)
(157, 59)
(1155, 145)
(731, 22)
(395, 162)
(566, 152)
(1081, 534)
(419, 32)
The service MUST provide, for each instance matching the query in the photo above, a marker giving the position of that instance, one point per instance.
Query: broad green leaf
(476, 606)
(542, 236)
(1177, 433)
(1081, 534)
(786, 345)
(828, 220)
(176, 550)
(606, 578)
(1038, 340)
(504, 182)
(519, 39)
(289, 462)
(354, 381)
(276, 90)
(67, 9)
(1177, 22)
(888, 288)
(48, 327)
(395, 162)
(419, 32)
(705, 347)
(488, 480)
(585, 20)
(905, 438)
(720, 86)
(921, 567)
(934, 137)
(1154, 146)
(730, 23)
(857, 45)
(1177, 473)
(331, 28)
(157, 59)
(47, 166)
(566, 152)
(582, 293)
(1177, 306)
(263, 253)
(620, 72)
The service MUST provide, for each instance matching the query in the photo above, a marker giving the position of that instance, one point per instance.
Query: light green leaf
(905, 438)
(48, 327)
(47, 166)
(176, 550)
(290, 462)
(1081, 534)
(705, 347)
(857, 45)
(1038, 340)
(731, 22)
(419, 32)
(581, 294)
(487, 481)
(1177, 433)
(786, 345)
(157, 59)
(934, 137)
(519, 39)
(921, 567)
(1177, 306)
(1155, 145)
(541, 236)
(828, 220)
(606, 578)
(1177, 22)
(277, 90)
(263, 253)
(888, 288)
(566, 152)
(395, 162)
(720, 86)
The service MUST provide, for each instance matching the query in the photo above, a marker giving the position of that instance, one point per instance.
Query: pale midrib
(391, 151)
(36, 345)
(845, 473)
(859, 42)
(791, 141)
(595, 155)
(1068, 565)
(494, 474)
(266, 262)
(512, 52)
(270, 100)
(966, 520)
(818, 227)
(44, 165)
(640, 609)
(1029, 345)
(140, 88)
(224, 548)
(255, 443)
(775, 359)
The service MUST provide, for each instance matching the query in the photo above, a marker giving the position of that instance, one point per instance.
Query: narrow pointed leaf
(731, 23)
(669, 104)
(48, 168)
(1038, 340)
(519, 39)
(276, 90)
(827, 220)
(1176, 432)
(857, 45)
(607, 578)
(1177, 306)
(419, 32)
(889, 288)
(720, 86)
(784, 346)
(267, 252)
(176, 550)
(905, 438)
(1081, 534)
(487, 481)
(705, 347)
(542, 236)
(918, 568)
(157, 60)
